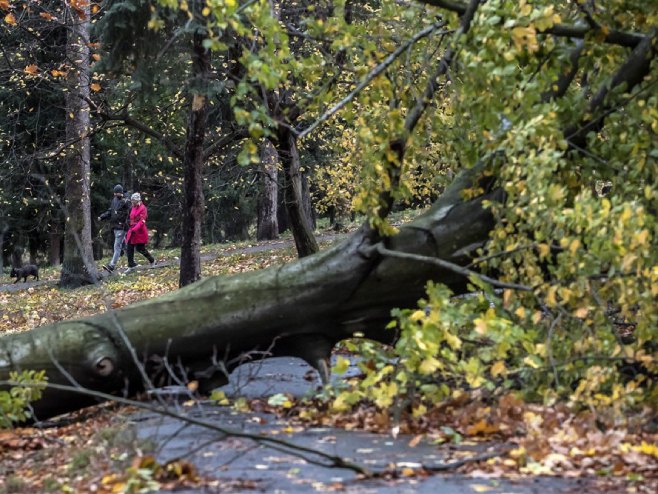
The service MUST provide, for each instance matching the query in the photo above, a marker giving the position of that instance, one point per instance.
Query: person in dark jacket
(118, 215)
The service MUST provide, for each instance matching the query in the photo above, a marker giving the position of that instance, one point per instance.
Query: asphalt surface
(242, 466)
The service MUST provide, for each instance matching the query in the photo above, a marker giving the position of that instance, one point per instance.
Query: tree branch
(559, 87)
(398, 145)
(300, 134)
(279, 444)
(451, 266)
(631, 73)
(144, 128)
(224, 141)
(629, 40)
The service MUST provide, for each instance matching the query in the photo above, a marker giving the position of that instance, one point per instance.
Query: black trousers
(141, 248)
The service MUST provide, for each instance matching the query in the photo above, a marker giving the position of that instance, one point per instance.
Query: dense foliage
(551, 118)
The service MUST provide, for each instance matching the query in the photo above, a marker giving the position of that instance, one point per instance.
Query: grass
(45, 303)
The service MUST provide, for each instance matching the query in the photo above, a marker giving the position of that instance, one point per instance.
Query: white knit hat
(136, 197)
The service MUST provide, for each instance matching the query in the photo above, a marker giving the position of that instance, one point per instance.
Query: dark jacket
(117, 213)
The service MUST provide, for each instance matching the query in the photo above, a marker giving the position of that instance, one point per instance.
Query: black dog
(24, 272)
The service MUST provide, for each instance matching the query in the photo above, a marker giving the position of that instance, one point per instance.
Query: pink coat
(137, 233)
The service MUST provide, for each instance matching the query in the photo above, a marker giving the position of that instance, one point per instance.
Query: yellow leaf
(481, 487)
(482, 428)
(342, 364)
(4, 4)
(10, 19)
(581, 312)
(498, 368)
(417, 316)
(118, 488)
(95, 87)
(108, 479)
(507, 297)
(419, 411)
(525, 37)
(391, 156)
(544, 250)
(531, 362)
(641, 238)
(193, 385)
(648, 449)
(627, 261)
(31, 69)
(480, 326)
(205, 12)
(518, 453)
(429, 365)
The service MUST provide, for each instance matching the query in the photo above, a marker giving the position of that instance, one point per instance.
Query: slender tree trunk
(17, 256)
(268, 226)
(190, 264)
(78, 267)
(55, 251)
(55, 228)
(300, 224)
(281, 213)
(307, 202)
(3, 232)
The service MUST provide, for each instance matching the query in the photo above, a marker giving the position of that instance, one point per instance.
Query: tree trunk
(190, 261)
(3, 232)
(267, 224)
(78, 267)
(300, 224)
(307, 202)
(55, 250)
(301, 309)
(17, 257)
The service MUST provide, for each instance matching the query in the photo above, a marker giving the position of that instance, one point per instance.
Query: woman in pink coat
(137, 235)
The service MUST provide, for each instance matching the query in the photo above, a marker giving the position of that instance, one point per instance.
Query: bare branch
(398, 145)
(451, 266)
(142, 127)
(224, 141)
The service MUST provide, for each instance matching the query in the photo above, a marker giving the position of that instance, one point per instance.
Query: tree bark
(55, 249)
(301, 309)
(300, 224)
(78, 267)
(190, 262)
(3, 232)
(267, 224)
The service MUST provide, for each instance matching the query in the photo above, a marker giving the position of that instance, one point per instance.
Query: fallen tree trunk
(301, 309)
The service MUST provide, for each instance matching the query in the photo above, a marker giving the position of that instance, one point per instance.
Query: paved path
(267, 470)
